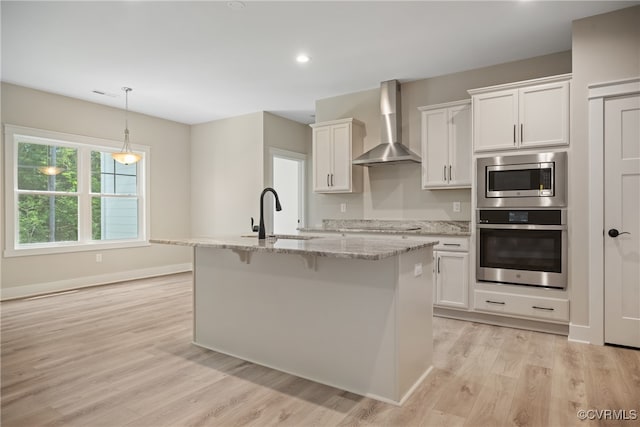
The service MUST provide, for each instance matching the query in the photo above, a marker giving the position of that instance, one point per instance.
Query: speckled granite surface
(348, 247)
(417, 227)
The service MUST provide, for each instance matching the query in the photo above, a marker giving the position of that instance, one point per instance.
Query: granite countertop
(347, 247)
(409, 227)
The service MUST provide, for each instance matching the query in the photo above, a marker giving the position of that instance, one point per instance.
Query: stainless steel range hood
(390, 150)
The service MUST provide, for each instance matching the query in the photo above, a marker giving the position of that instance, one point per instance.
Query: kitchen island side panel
(415, 319)
(335, 323)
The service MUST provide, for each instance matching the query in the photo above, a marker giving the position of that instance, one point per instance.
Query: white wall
(230, 166)
(169, 198)
(287, 135)
(394, 191)
(605, 48)
(227, 164)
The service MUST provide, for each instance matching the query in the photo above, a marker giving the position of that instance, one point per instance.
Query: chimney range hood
(390, 150)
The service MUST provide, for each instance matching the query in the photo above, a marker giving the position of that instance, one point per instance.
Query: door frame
(299, 157)
(598, 93)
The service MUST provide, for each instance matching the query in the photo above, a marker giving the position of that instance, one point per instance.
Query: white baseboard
(16, 292)
(579, 333)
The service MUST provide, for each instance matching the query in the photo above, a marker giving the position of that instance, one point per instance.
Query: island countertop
(345, 247)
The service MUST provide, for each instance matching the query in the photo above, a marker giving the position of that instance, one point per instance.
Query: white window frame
(84, 145)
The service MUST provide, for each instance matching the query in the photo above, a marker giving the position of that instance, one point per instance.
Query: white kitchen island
(353, 313)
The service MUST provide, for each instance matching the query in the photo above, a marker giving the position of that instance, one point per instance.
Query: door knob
(615, 233)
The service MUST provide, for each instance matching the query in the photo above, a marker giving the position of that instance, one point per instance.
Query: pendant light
(126, 156)
(51, 169)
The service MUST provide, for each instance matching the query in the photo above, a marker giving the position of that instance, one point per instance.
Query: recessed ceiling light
(303, 58)
(236, 5)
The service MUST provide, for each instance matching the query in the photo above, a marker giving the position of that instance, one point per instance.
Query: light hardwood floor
(121, 355)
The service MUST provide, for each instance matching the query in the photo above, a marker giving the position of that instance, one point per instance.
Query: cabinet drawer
(452, 244)
(555, 309)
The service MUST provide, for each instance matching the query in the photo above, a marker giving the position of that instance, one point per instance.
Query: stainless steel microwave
(527, 180)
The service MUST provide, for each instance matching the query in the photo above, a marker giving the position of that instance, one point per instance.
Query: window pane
(37, 163)
(130, 169)
(111, 177)
(114, 218)
(47, 218)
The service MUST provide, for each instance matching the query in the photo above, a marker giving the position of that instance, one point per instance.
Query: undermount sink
(293, 237)
(283, 236)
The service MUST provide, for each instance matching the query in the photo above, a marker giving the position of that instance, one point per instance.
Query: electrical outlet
(98, 257)
(343, 207)
(456, 206)
(417, 269)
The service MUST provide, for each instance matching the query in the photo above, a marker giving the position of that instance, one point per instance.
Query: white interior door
(622, 215)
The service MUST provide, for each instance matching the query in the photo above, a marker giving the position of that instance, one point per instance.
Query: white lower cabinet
(451, 272)
(451, 279)
(545, 308)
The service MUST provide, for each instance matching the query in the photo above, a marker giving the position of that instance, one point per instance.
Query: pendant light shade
(126, 156)
(50, 170)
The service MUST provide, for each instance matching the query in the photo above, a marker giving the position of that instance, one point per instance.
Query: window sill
(74, 247)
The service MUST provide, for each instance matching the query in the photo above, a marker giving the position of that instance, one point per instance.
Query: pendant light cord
(126, 118)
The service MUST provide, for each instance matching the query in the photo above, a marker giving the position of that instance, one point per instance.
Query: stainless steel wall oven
(523, 247)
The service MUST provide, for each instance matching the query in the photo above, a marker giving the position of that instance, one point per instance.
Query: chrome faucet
(261, 230)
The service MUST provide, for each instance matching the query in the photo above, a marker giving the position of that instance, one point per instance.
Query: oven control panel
(521, 216)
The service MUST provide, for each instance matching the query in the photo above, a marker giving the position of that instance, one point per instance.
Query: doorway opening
(288, 178)
(613, 260)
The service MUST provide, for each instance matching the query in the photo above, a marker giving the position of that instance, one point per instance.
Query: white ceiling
(194, 62)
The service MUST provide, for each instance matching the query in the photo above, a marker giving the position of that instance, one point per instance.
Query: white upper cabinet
(495, 118)
(527, 114)
(544, 114)
(335, 144)
(446, 145)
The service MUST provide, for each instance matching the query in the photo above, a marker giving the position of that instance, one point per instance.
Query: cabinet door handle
(542, 308)
(514, 134)
(521, 132)
(444, 173)
(452, 244)
(332, 180)
(449, 172)
(494, 302)
(438, 265)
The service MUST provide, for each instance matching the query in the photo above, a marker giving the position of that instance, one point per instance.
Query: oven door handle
(522, 227)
